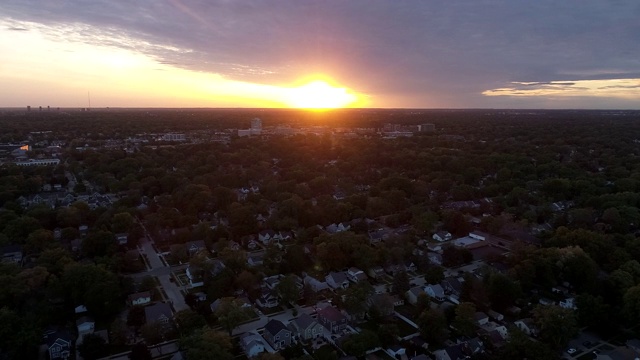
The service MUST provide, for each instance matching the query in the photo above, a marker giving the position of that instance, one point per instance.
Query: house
(194, 247)
(11, 254)
(265, 236)
(568, 303)
(356, 275)
(377, 236)
(277, 334)
(122, 238)
(376, 272)
(195, 276)
(252, 344)
(85, 326)
(306, 327)
(434, 258)
(527, 326)
(394, 269)
(315, 284)
(285, 235)
(435, 291)
(336, 228)
(268, 299)
(396, 351)
(332, 319)
(409, 266)
(233, 245)
(413, 294)
(158, 313)
(442, 236)
(59, 344)
(337, 280)
(383, 303)
(255, 260)
(452, 285)
(495, 315)
(141, 298)
(454, 352)
(481, 318)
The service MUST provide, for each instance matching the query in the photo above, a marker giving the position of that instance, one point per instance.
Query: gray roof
(304, 321)
(274, 327)
(154, 312)
(338, 277)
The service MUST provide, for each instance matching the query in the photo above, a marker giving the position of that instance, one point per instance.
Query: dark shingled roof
(274, 327)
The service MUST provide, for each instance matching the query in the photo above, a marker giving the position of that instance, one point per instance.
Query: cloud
(626, 89)
(445, 53)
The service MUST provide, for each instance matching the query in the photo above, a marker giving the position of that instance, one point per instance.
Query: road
(162, 272)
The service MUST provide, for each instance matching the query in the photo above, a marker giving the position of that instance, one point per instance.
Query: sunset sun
(319, 94)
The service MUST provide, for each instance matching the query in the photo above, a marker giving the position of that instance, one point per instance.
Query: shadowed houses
(306, 327)
(277, 334)
(332, 319)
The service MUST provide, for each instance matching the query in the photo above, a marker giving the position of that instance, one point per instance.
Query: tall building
(256, 124)
(427, 128)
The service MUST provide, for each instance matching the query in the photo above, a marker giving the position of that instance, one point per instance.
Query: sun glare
(319, 95)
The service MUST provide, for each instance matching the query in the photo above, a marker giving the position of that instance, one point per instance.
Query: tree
(556, 325)
(187, 321)
(148, 283)
(631, 301)
(93, 347)
(121, 222)
(464, 321)
(100, 243)
(206, 343)
(288, 289)
(502, 291)
(358, 344)
(433, 326)
(136, 317)
(230, 314)
(118, 332)
(434, 274)
(520, 346)
(155, 332)
(401, 283)
(355, 297)
(140, 351)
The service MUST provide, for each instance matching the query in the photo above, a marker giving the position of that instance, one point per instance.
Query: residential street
(162, 273)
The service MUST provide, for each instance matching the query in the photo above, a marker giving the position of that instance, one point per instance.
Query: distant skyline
(374, 53)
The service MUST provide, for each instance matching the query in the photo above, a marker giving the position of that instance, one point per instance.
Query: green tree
(631, 301)
(230, 314)
(100, 243)
(288, 289)
(140, 351)
(556, 325)
(433, 326)
(188, 321)
(401, 283)
(206, 343)
(121, 222)
(358, 344)
(434, 274)
(464, 321)
(93, 347)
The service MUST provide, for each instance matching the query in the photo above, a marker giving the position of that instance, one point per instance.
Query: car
(571, 351)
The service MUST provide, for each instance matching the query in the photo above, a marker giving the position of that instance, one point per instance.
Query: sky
(308, 53)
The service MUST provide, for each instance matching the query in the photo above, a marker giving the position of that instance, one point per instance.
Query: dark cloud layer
(429, 52)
